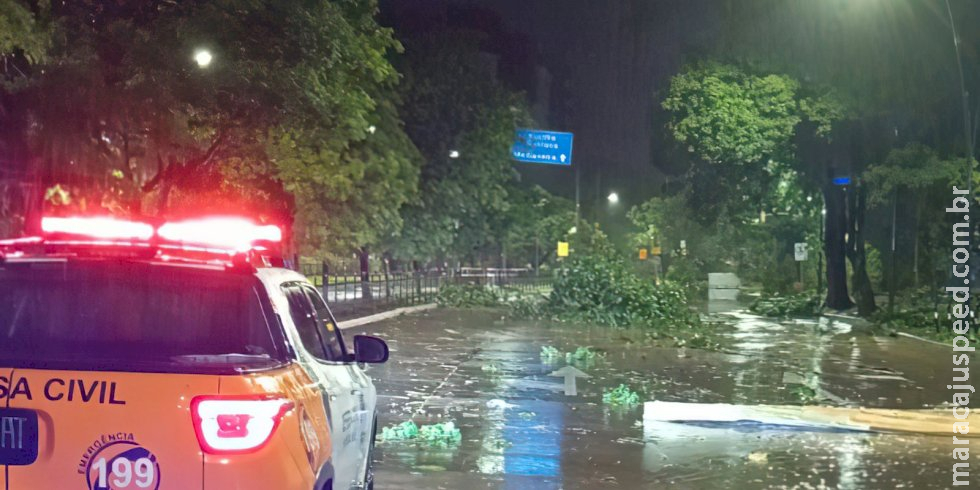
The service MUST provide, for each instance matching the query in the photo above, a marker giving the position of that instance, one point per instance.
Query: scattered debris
(499, 404)
(406, 431)
(758, 457)
(440, 434)
(621, 396)
(805, 394)
(585, 354)
(550, 353)
(444, 433)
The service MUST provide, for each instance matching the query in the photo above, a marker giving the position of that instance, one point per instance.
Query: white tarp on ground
(819, 418)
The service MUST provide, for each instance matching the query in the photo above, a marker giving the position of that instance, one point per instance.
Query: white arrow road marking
(570, 373)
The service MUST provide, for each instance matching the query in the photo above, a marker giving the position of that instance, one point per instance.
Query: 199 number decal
(142, 473)
(123, 465)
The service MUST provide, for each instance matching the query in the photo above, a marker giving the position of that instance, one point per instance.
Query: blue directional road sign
(533, 146)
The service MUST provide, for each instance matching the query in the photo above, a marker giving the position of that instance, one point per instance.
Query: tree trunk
(417, 277)
(860, 283)
(834, 248)
(915, 251)
(364, 258)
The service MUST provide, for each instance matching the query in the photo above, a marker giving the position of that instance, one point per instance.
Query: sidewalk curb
(908, 335)
(862, 323)
(853, 320)
(364, 320)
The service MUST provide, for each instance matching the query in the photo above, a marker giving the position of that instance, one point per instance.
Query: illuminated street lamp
(613, 198)
(203, 58)
(453, 154)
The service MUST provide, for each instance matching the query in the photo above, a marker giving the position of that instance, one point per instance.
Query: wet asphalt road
(485, 373)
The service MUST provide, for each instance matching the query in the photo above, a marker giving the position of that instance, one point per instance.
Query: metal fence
(350, 295)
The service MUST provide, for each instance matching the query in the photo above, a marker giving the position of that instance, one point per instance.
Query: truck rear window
(124, 315)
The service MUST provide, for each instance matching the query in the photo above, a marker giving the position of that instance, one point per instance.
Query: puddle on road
(520, 431)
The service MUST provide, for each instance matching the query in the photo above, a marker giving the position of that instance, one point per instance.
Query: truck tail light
(97, 228)
(237, 424)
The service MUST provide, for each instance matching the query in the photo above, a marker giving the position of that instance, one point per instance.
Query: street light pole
(823, 224)
(578, 201)
(966, 104)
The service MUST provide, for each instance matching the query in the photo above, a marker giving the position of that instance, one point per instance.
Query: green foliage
(529, 306)
(468, 296)
(803, 304)
(549, 353)
(824, 110)
(404, 431)
(582, 356)
(910, 168)
(690, 272)
(621, 396)
(440, 435)
(602, 289)
(151, 132)
(759, 253)
(743, 123)
(915, 313)
(351, 199)
(22, 31)
(726, 115)
(920, 180)
(874, 266)
(534, 223)
(449, 103)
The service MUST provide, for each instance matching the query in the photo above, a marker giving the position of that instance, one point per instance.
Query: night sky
(607, 61)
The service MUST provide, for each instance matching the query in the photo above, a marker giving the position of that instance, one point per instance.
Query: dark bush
(803, 304)
(468, 296)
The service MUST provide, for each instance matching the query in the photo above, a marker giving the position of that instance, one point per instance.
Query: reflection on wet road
(520, 431)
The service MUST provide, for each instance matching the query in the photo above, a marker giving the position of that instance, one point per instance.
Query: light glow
(220, 232)
(97, 228)
(236, 425)
(203, 58)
